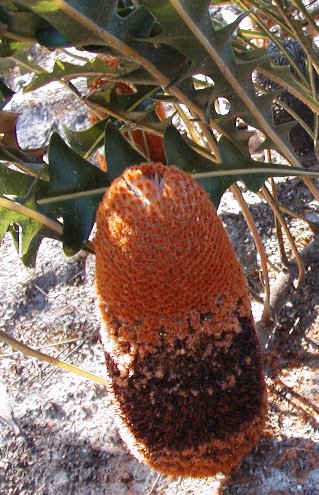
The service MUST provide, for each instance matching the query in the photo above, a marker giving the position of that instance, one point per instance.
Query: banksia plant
(181, 349)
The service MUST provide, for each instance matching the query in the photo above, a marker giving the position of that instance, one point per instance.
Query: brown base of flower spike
(184, 364)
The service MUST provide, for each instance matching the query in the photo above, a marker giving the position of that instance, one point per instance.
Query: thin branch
(274, 207)
(29, 212)
(280, 239)
(17, 37)
(56, 344)
(28, 351)
(312, 188)
(293, 214)
(260, 249)
(313, 83)
(66, 197)
(271, 170)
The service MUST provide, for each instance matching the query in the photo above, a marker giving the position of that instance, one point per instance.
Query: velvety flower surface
(184, 364)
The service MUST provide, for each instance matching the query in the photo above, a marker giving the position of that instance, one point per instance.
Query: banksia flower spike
(184, 364)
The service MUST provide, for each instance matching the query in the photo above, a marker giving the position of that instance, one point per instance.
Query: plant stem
(274, 207)
(260, 248)
(271, 170)
(28, 351)
(29, 212)
(280, 239)
(66, 197)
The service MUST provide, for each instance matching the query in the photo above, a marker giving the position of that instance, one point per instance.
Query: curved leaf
(179, 153)
(25, 161)
(51, 38)
(87, 140)
(14, 183)
(236, 166)
(119, 153)
(70, 173)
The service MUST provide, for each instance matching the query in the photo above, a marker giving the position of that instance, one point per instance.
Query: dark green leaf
(30, 257)
(26, 162)
(87, 140)
(251, 172)
(5, 94)
(179, 153)
(66, 70)
(70, 26)
(25, 229)
(233, 158)
(119, 153)
(51, 38)
(14, 183)
(69, 174)
(174, 31)
(111, 103)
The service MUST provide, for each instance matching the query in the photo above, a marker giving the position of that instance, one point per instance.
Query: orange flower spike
(184, 364)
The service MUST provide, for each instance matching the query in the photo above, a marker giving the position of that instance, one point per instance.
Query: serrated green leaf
(236, 166)
(86, 141)
(97, 24)
(174, 31)
(29, 258)
(115, 104)
(25, 64)
(27, 233)
(131, 105)
(70, 173)
(238, 75)
(58, 14)
(14, 183)
(180, 154)
(66, 70)
(240, 167)
(233, 158)
(228, 30)
(24, 228)
(119, 153)
(283, 77)
(26, 162)
(137, 107)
